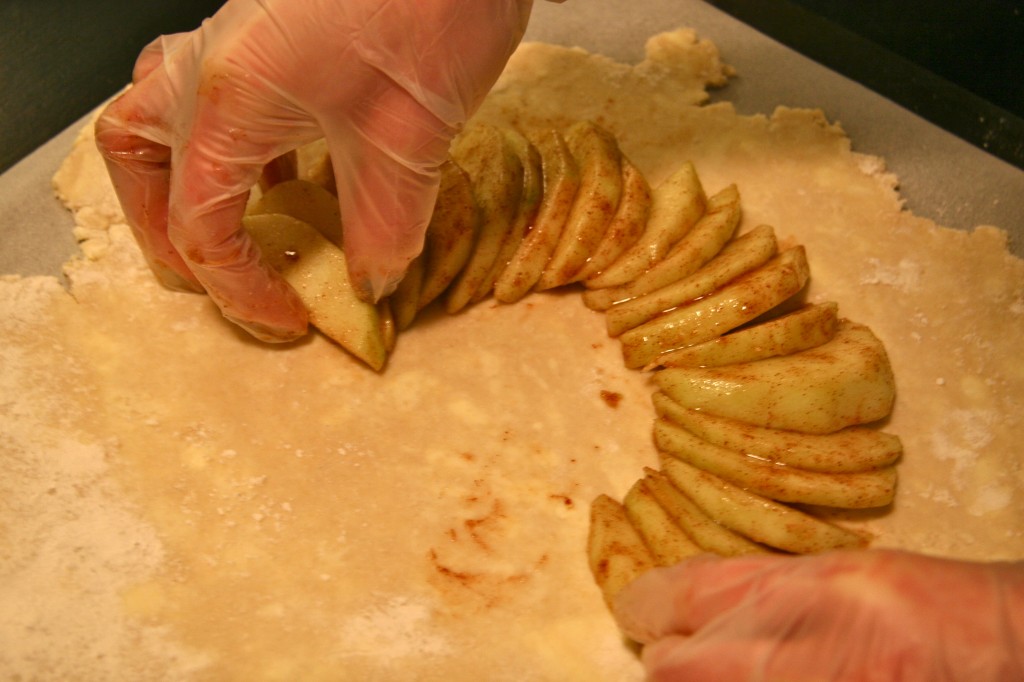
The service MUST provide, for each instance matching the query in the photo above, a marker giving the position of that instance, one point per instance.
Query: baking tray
(941, 176)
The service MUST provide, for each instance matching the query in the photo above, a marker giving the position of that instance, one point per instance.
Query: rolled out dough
(180, 502)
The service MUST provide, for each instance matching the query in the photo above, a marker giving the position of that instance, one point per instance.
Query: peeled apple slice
(844, 382)
(318, 272)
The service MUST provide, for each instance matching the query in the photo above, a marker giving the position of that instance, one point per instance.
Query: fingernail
(267, 333)
(640, 608)
(372, 288)
(173, 280)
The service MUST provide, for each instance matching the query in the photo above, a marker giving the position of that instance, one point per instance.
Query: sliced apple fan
(763, 404)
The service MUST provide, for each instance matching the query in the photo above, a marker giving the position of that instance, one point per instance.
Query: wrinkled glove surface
(387, 83)
(867, 615)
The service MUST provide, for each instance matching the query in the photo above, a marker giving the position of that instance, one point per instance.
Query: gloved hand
(387, 83)
(867, 615)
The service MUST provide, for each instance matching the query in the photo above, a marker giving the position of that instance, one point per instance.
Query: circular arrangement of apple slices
(762, 402)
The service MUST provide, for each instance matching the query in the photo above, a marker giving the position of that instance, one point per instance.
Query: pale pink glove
(387, 82)
(858, 616)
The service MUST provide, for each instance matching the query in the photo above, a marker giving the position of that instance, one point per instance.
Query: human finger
(683, 598)
(210, 180)
(130, 137)
(230, 267)
(386, 160)
(678, 657)
(440, 61)
(153, 54)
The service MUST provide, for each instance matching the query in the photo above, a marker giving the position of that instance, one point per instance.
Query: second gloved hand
(852, 615)
(387, 83)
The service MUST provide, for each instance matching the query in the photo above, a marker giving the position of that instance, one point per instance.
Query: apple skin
(561, 181)
(451, 234)
(529, 204)
(489, 158)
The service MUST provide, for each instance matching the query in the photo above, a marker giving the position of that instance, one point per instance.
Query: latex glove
(867, 615)
(387, 82)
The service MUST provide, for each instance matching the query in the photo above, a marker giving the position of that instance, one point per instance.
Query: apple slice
(600, 162)
(305, 201)
(762, 520)
(627, 224)
(318, 272)
(451, 234)
(616, 553)
(668, 543)
(676, 206)
(280, 169)
(742, 254)
(807, 327)
(316, 167)
(844, 382)
(860, 490)
(855, 448)
(708, 534)
(561, 177)
(404, 302)
(702, 243)
(487, 155)
(388, 326)
(447, 245)
(529, 204)
(735, 304)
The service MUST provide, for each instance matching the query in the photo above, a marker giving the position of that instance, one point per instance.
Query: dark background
(957, 63)
(59, 59)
